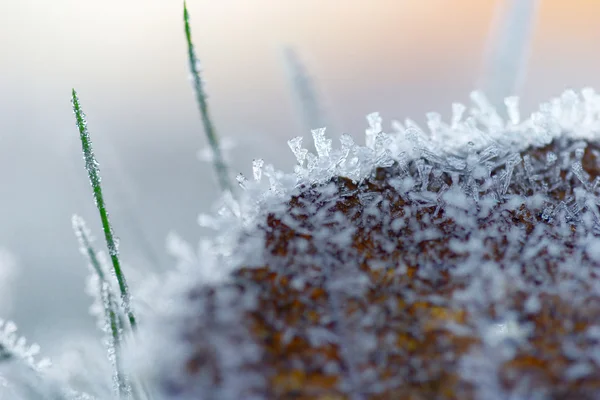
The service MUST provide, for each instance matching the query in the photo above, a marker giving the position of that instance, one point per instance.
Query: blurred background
(127, 60)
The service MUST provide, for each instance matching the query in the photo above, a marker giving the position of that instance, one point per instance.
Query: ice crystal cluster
(457, 262)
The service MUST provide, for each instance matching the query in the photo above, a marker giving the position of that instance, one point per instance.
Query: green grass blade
(218, 161)
(85, 241)
(94, 175)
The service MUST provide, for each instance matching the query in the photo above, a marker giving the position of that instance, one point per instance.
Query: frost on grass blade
(209, 129)
(105, 307)
(22, 375)
(93, 170)
(459, 262)
(304, 91)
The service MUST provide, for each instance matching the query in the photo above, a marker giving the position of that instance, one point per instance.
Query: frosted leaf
(322, 143)
(257, 166)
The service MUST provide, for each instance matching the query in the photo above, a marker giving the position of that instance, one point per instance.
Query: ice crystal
(257, 168)
(296, 147)
(14, 346)
(23, 376)
(456, 263)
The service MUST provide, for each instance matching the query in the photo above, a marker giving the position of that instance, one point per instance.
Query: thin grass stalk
(86, 244)
(112, 316)
(305, 92)
(94, 175)
(219, 164)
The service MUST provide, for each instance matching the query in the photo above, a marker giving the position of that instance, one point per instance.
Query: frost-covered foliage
(22, 374)
(457, 262)
(20, 369)
(109, 315)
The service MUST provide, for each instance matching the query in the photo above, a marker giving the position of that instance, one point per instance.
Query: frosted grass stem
(305, 91)
(86, 245)
(110, 307)
(218, 161)
(94, 175)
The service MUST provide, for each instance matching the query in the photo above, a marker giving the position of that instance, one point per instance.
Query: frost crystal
(456, 263)
(257, 166)
(296, 146)
(13, 346)
(322, 143)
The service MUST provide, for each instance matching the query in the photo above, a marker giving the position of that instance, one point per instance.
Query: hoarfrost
(300, 152)
(444, 249)
(257, 167)
(322, 143)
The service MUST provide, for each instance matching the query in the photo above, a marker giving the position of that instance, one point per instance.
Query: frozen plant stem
(305, 91)
(94, 174)
(108, 301)
(218, 161)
